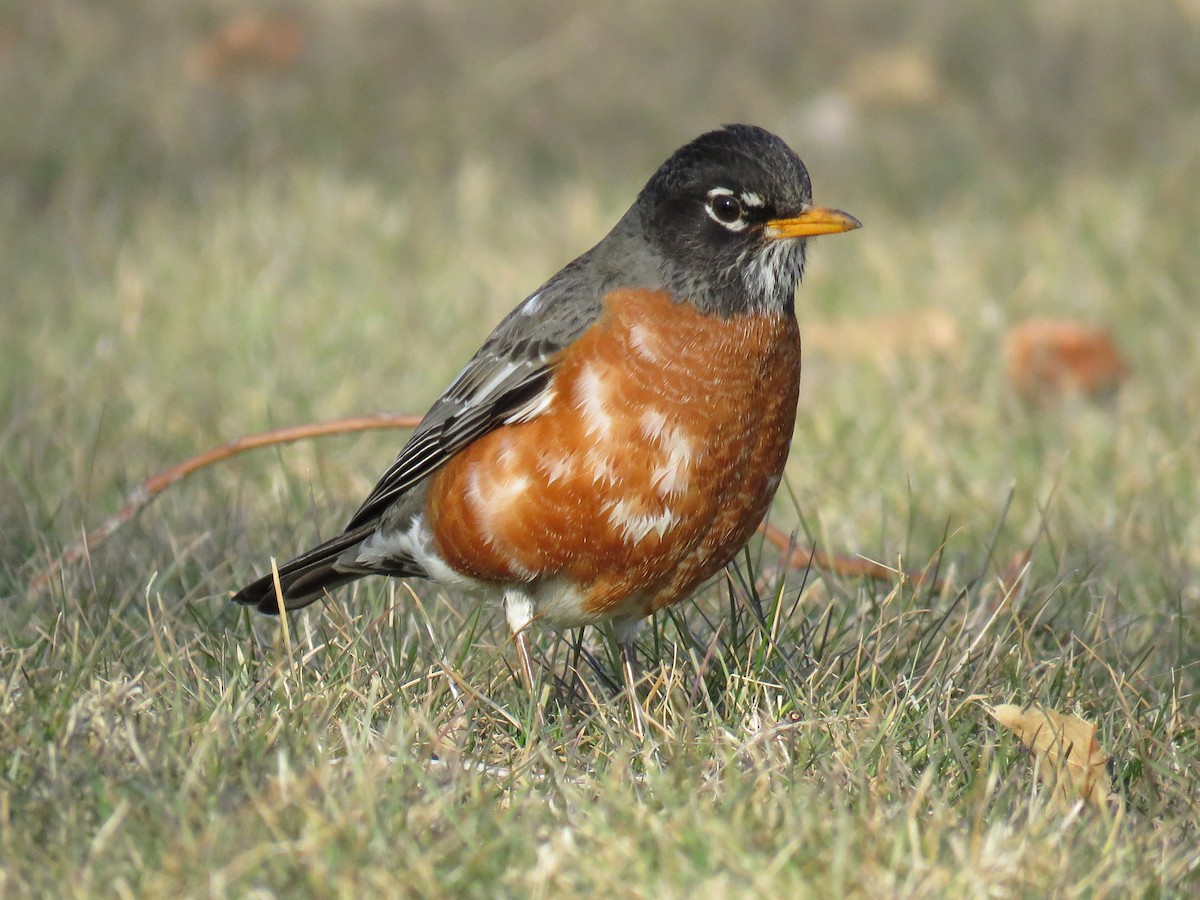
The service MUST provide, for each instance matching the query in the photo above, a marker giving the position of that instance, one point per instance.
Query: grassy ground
(196, 246)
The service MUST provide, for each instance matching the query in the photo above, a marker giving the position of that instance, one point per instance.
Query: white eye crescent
(725, 209)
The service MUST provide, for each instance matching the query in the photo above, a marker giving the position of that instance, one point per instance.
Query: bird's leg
(624, 632)
(518, 610)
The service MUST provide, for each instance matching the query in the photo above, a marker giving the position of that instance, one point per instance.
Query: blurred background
(219, 217)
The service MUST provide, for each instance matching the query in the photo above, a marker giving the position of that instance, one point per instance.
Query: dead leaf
(1051, 358)
(1065, 751)
(245, 45)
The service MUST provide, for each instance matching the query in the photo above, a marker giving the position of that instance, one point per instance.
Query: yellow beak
(813, 221)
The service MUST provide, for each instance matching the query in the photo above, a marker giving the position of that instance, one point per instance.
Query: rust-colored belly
(656, 461)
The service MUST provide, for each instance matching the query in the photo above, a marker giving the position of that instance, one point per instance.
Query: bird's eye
(725, 208)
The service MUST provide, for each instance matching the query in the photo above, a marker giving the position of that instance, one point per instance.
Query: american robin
(620, 434)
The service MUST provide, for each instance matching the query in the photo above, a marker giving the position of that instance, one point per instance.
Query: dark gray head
(727, 217)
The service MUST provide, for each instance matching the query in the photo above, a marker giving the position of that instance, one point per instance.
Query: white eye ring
(725, 209)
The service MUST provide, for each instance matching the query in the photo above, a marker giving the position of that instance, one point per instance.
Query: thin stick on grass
(799, 557)
(141, 496)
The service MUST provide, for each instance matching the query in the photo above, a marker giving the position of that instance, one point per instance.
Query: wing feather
(509, 380)
(449, 426)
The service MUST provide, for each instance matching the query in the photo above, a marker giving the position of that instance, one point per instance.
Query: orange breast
(652, 467)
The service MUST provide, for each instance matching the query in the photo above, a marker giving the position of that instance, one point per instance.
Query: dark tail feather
(306, 578)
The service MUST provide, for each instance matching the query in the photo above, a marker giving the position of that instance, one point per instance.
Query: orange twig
(141, 495)
(144, 493)
(853, 566)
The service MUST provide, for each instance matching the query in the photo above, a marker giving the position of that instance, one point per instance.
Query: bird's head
(728, 217)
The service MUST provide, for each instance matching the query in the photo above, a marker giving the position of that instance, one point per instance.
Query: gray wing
(507, 381)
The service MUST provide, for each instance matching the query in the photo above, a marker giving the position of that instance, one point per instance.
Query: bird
(620, 434)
